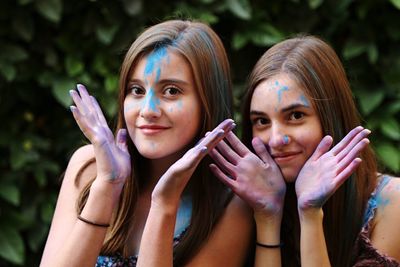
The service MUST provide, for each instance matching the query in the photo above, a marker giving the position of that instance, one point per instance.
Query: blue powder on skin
(304, 100)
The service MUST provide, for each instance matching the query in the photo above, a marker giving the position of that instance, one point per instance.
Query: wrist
(311, 214)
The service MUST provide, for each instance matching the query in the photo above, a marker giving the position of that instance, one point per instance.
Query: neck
(156, 168)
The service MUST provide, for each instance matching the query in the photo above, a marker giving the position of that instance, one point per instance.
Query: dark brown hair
(316, 68)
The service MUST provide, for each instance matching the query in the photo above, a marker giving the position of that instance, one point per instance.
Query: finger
(99, 112)
(352, 154)
(222, 162)
(322, 147)
(222, 176)
(343, 143)
(78, 102)
(216, 135)
(235, 142)
(121, 140)
(261, 150)
(345, 174)
(353, 143)
(85, 97)
(228, 152)
(81, 123)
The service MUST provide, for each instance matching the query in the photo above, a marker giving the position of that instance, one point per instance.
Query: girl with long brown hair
(147, 197)
(313, 182)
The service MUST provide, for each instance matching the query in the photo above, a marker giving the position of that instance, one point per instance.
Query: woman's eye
(136, 90)
(260, 121)
(296, 115)
(172, 91)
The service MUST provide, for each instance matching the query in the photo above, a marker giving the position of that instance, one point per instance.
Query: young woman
(313, 183)
(147, 197)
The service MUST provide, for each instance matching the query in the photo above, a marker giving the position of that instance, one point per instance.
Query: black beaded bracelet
(93, 223)
(269, 246)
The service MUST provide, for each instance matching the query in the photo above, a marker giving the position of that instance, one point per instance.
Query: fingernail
(220, 133)
(72, 108)
(71, 92)
(204, 149)
(367, 131)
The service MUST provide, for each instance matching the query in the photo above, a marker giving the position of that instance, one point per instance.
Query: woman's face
(162, 108)
(287, 122)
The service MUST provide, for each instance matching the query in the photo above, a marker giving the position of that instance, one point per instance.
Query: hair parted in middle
(197, 43)
(318, 71)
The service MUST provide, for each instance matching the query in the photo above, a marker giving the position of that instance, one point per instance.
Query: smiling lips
(284, 157)
(152, 129)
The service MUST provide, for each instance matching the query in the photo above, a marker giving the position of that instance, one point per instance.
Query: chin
(289, 176)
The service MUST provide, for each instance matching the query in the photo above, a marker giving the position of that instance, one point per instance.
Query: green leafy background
(47, 46)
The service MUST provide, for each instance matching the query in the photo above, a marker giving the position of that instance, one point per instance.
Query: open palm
(112, 156)
(326, 170)
(255, 179)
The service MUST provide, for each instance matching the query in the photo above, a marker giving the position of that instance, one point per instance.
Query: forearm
(313, 248)
(83, 244)
(156, 246)
(268, 232)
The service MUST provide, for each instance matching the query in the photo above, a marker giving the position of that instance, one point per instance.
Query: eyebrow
(162, 81)
(283, 110)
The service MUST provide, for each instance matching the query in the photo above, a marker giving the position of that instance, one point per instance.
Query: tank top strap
(375, 199)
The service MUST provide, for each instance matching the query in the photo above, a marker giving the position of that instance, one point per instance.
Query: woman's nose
(151, 105)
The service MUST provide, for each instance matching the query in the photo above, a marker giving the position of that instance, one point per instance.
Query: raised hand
(326, 170)
(112, 156)
(257, 180)
(170, 186)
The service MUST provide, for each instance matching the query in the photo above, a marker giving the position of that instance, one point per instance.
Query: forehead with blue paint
(281, 89)
(154, 62)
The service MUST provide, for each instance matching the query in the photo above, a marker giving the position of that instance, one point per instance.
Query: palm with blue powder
(257, 180)
(171, 185)
(112, 156)
(326, 170)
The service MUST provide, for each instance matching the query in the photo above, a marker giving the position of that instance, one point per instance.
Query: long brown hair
(316, 68)
(204, 51)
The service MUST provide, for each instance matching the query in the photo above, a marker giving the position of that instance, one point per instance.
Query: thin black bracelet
(269, 246)
(93, 223)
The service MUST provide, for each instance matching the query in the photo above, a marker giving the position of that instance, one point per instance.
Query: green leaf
(369, 100)
(74, 66)
(240, 8)
(239, 40)
(267, 35)
(105, 34)
(20, 157)
(23, 26)
(8, 71)
(391, 128)
(389, 155)
(396, 3)
(50, 9)
(61, 88)
(353, 49)
(314, 4)
(11, 245)
(13, 53)
(132, 7)
(37, 236)
(372, 53)
(10, 193)
(46, 211)
(111, 83)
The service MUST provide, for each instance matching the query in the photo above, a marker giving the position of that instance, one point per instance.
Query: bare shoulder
(81, 163)
(385, 235)
(233, 233)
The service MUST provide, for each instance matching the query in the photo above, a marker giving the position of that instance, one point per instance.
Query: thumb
(322, 147)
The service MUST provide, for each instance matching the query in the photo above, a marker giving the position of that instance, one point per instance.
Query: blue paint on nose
(151, 100)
